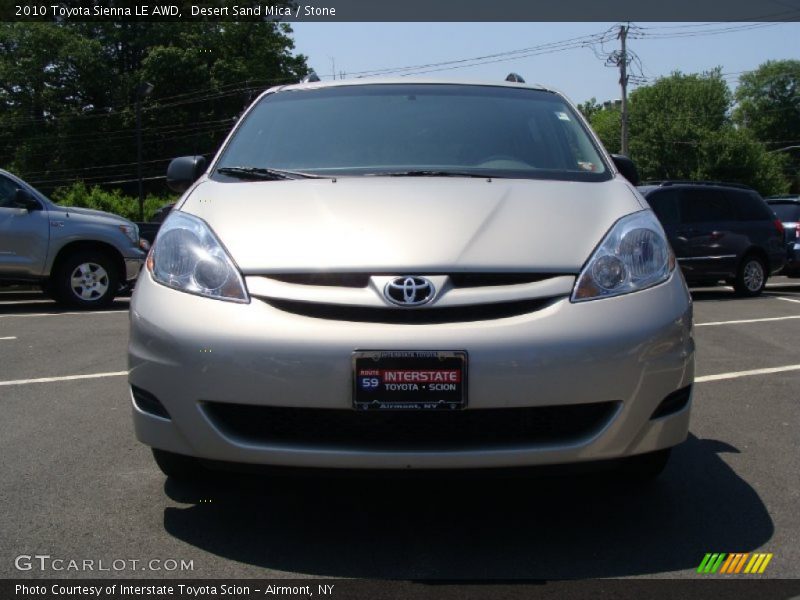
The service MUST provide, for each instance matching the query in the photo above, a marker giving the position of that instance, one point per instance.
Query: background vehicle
(80, 257)
(149, 229)
(719, 232)
(787, 209)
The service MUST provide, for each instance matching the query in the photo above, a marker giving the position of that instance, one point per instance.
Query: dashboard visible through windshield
(412, 130)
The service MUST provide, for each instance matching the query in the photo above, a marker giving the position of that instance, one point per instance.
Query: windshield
(420, 129)
(786, 212)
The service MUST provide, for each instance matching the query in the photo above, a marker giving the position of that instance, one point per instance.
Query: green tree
(768, 104)
(68, 93)
(113, 201)
(589, 108)
(605, 120)
(733, 154)
(607, 123)
(45, 72)
(671, 118)
(681, 128)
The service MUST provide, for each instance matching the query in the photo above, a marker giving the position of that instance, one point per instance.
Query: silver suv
(79, 256)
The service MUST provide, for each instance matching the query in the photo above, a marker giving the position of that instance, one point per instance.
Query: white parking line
(705, 378)
(737, 374)
(9, 337)
(58, 314)
(32, 301)
(788, 299)
(47, 301)
(746, 321)
(64, 378)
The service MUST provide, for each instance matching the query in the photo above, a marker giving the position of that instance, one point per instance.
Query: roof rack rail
(666, 182)
(312, 77)
(514, 78)
(783, 197)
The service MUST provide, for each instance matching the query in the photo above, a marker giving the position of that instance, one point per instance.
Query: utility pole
(623, 82)
(142, 90)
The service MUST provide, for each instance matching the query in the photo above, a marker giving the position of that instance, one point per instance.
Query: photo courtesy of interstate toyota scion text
(410, 274)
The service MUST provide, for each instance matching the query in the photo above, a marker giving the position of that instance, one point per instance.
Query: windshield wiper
(430, 173)
(264, 174)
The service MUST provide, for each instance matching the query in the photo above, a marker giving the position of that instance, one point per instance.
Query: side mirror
(184, 171)
(627, 168)
(23, 199)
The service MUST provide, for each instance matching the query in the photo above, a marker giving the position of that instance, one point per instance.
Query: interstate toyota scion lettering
(400, 274)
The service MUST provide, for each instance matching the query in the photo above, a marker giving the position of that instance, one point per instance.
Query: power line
(569, 43)
(655, 34)
(199, 94)
(119, 134)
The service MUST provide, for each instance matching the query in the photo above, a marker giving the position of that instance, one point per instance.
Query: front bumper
(635, 349)
(792, 267)
(133, 267)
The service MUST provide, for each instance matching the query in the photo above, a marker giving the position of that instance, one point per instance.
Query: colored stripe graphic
(740, 564)
(737, 562)
(735, 557)
(757, 558)
(727, 564)
(703, 563)
(765, 563)
(717, 563)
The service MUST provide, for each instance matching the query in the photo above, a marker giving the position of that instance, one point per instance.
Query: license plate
(409, 380)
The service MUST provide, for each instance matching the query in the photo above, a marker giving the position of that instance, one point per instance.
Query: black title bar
(403, 11)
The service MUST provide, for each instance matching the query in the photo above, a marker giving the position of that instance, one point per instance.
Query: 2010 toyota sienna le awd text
(403, 274)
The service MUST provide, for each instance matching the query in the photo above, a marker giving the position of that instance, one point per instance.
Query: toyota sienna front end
(405, 274)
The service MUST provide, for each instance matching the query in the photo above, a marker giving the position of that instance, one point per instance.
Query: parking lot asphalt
(76, 485)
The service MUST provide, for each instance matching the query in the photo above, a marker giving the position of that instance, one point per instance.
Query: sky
(578, 72)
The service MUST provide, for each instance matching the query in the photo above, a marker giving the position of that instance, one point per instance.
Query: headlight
(132, 231)
(633, 256)
(188, 256)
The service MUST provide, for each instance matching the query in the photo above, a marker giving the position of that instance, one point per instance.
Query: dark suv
(720, 232)
(787, 209)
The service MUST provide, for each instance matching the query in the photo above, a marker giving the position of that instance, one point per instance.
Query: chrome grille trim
(448, 296)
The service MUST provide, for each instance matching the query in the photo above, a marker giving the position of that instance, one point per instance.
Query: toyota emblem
(409, 291)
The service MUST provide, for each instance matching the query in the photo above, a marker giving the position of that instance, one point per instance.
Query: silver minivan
(394, 274)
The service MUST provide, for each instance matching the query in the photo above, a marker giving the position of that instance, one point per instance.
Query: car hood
(382, 224)
(97, 214)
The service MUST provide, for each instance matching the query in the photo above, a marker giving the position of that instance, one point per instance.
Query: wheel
(177, 466)
(643, 468)
(751, 277)
(86, 280)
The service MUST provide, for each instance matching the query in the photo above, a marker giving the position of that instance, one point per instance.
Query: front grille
(458, 280)
(410, 316)
(349, 280)
(410, 430)
(470, 280)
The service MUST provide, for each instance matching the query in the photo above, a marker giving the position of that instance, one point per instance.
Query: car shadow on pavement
(476, 525)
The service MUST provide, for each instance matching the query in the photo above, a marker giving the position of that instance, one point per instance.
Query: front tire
(86, 280)
(751, 279)
(177, 466)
